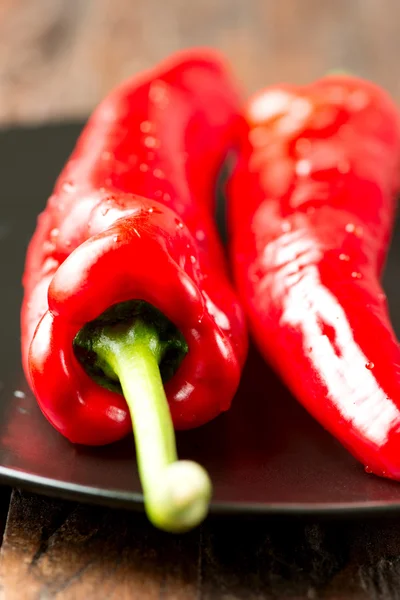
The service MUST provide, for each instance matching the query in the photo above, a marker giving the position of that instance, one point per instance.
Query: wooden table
(57, 59)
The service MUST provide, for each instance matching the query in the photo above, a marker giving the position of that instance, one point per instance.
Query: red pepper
(312, 204)
(131, 219)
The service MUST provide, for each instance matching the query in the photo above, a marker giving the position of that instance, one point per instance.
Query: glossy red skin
(131, 218)
(312, 204)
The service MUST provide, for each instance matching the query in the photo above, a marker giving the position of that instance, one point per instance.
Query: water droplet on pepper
(150, 141)
(145, 127)
(303, 145)
(68, 187)
(358, 100)
(359, 231)
(303, 168)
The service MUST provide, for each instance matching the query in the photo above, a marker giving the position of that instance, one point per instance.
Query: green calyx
(132, 348)
(134, 318)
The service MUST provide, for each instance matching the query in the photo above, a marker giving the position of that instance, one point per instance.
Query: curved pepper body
(312, 204)
(131, 218)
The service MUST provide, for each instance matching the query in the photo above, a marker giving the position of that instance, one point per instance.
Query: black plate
(266, 454)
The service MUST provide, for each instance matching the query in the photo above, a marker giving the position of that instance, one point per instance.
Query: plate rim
(114, 498)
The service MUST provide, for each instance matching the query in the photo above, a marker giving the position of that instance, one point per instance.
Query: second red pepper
(312, 206)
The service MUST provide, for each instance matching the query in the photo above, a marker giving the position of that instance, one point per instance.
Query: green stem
(176, 493)
(338, 71)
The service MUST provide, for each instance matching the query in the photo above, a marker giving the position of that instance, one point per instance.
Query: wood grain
(58, 58)
(55, 549)
(69, 551)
